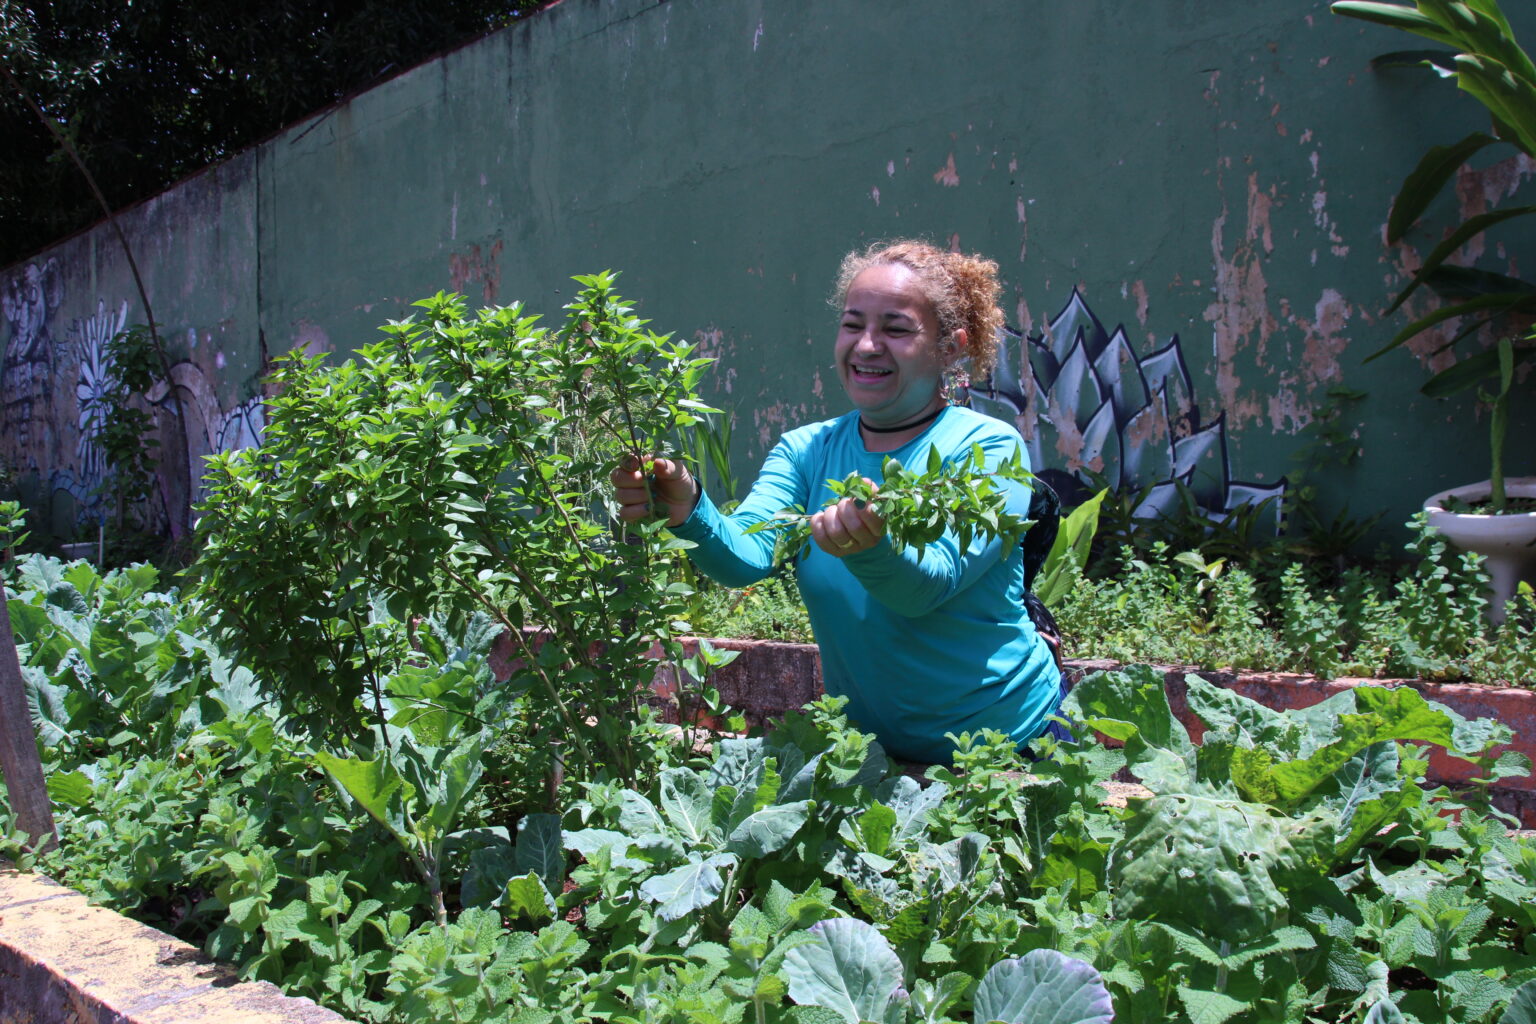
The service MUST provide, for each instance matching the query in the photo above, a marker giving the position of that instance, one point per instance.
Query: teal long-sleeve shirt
(921, 645)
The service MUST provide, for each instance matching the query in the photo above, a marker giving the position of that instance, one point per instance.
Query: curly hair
(964, 291)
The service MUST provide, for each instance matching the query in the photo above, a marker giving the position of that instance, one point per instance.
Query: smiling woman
(925, 642)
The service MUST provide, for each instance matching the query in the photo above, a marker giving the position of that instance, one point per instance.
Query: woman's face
(887, 350)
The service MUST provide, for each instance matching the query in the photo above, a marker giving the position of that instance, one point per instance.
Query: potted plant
(1497, 517)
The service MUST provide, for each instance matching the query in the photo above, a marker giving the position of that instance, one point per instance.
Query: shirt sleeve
(724, 551)
(910, 584)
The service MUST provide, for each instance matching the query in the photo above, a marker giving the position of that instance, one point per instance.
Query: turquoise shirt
(920, 645)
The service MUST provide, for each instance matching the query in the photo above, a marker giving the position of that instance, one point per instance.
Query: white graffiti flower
(90, 337)
(1128, 420)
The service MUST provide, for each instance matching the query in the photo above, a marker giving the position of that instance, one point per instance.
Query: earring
(955, 385)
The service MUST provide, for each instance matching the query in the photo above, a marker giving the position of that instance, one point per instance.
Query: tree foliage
(150, 91)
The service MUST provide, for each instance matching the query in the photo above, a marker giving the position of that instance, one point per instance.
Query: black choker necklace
(905, 426)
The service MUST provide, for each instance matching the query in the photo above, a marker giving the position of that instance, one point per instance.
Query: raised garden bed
(770, 678)
(65, 961)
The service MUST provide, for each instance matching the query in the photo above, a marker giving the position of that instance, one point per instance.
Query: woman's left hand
(848, 527)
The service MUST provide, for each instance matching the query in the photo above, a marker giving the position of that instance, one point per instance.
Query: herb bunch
(963, 496)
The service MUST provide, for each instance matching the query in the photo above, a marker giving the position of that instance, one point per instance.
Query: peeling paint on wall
(1240, 317)
(469, 268)
(947, 175)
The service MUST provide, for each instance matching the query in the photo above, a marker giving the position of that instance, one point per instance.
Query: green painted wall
(1215, 171)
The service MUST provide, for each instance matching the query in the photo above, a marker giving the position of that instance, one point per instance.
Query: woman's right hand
(670, 482)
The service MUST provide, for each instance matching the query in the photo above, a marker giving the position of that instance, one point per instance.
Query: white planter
(1508, 542)
(79, 549)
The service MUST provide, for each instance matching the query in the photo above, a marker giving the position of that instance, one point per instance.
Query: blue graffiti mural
(1091, 409)
(52, 395)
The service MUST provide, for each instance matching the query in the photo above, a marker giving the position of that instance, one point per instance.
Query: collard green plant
(448, 470)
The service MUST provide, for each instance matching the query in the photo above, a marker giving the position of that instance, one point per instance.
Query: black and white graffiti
(29, 300)
(40, 374)
(1120, 419)
(91, 337)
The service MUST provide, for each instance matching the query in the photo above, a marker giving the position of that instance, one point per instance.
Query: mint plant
(450, 470)
(961, 496)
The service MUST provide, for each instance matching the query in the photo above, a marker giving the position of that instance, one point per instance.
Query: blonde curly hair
(964, 291)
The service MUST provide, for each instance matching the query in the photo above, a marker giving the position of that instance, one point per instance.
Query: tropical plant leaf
(1043, 985)
(1396, 16)
(1494, 303)
(1427, 179)
(1465, 231)
(1510, 98)
(847, 967)
(1442, 61)
(1069, 550)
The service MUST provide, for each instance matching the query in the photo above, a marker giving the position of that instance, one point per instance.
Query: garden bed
(770, 678)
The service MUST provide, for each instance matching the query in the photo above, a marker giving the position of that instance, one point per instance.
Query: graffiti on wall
(29, 301)
(1120, 419)
(41, 411)
(97, 378)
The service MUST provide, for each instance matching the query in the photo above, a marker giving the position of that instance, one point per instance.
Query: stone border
(770, 678)
(65, 961)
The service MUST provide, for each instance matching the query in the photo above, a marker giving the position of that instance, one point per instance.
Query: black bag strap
(1045, 510)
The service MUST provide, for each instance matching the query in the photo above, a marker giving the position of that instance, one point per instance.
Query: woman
(921, 645)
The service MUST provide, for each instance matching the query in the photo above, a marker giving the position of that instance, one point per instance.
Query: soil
(1513, 506)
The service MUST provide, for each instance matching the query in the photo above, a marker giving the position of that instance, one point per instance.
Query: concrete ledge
(65, 961)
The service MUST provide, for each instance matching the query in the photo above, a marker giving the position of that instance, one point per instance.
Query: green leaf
(1043, 985)
(686, 801)
(528, 898)
(683, 890)
(1467, 229)
(371, 784)
(1207, 1007)
(874, 828)
(1426, 180)
(769, 830)
(541, 848)
(1465, 373)
(71, 789)
(1384, 1011)
(1214, 866)
(1522, 1007)
(1069, 551)
(845, 966)
(1398, 714)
